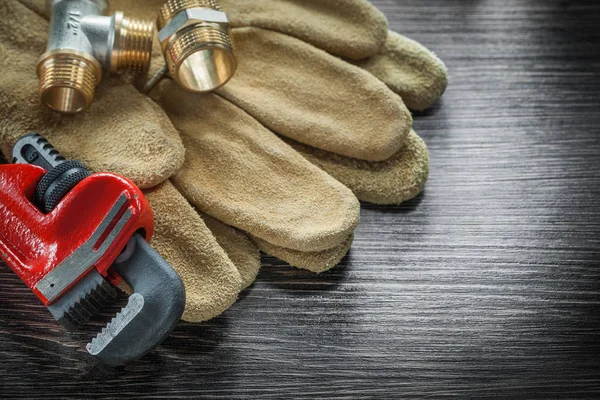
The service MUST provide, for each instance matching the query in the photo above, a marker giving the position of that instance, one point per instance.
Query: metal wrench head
(153, 310)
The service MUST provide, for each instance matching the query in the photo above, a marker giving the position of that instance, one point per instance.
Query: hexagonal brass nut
(190, 17)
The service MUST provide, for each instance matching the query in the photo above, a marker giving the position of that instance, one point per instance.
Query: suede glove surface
(262, 153)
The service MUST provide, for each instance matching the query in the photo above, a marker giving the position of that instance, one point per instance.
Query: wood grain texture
(487, 285)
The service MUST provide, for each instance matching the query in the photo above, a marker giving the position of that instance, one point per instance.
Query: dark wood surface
(487, 285)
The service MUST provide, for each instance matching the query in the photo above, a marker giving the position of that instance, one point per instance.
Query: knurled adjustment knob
(59, 181)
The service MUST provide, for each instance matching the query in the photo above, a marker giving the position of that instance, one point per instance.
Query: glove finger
(212, 282)
(239, 248)
(410, 70)
(316, 261)
(122, 132)
(303, 93)
(353, 29)
(242, 174)
(393, 181)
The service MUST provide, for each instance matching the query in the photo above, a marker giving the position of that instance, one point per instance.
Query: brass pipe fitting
(196, 42)
(83, 41)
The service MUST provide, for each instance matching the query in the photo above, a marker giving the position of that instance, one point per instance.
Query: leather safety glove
(127, 133)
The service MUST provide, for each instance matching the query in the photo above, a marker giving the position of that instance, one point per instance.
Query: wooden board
(487, 285)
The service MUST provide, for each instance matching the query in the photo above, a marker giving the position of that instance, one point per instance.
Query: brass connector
(196, 43)
(83, 41)
(132, 48)
(68, 80)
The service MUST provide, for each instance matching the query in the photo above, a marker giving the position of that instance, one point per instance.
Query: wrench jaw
(152, 312)
(85, 300)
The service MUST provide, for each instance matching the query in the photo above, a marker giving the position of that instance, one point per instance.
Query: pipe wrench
(73, 236)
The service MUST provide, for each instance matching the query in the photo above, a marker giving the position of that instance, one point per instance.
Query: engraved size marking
(74, 22)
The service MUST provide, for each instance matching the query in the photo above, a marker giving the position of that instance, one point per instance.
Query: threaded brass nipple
(133, 44)
(68, 81)
(196, 42)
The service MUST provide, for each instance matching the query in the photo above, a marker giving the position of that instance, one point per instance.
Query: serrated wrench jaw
(152, 311)
(86, 299)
